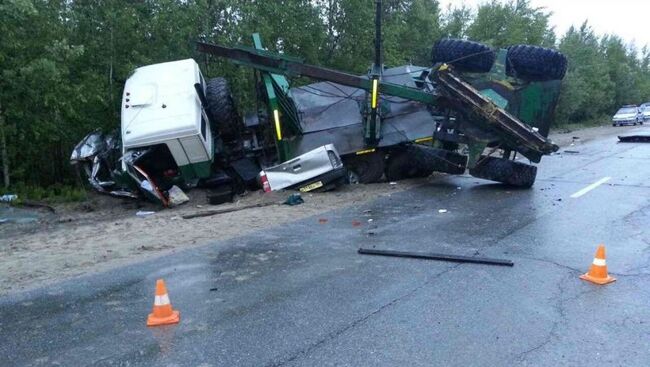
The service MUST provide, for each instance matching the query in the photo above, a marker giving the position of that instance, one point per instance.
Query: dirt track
(74, 242)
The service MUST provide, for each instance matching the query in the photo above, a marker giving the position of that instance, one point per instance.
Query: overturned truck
(474, 108)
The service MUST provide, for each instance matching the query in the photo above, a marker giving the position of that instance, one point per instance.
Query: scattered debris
(208, 213)
(144, 213)
(294, 199)
(435, 256)
(177, 196)
(634, 139)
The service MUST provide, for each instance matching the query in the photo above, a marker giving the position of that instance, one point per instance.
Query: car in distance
(627, 115)
(645, 110)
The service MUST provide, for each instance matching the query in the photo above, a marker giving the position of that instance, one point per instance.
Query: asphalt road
(300, 295)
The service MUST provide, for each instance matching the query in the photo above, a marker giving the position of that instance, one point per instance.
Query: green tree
(515, 22)
(588, 90)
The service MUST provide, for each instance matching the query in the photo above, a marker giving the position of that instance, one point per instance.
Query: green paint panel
(495, 97)
(196, 170)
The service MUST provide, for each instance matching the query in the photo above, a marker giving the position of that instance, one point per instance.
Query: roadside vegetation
(64, 62)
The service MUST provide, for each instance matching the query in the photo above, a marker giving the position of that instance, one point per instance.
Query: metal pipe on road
(434, 256)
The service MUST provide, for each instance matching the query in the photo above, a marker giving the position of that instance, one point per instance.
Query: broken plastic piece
(294, 199)
(144, 213)
(177, 196)
(634, 139)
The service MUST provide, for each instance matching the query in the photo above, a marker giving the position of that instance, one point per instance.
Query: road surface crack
(336, 333)
(560, 308)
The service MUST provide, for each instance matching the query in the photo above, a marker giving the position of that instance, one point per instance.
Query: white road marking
(590, 187)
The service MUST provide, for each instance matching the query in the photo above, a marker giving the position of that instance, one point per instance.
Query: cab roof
(159, 103)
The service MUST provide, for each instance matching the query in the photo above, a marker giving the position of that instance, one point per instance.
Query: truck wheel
(406, 162)
(221, 107)
(505, 171)
(365, 168)
(464, 55)
(446, 161)
(535, 63)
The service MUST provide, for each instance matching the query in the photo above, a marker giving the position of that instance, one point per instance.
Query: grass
(568, 126)
(58, 193)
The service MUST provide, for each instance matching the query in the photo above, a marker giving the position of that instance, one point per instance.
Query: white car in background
(627, 115)
(645, 111)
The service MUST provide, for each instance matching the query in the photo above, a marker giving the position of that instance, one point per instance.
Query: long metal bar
(450, 89)
(434, 256)
(378, 10)
(278, 64)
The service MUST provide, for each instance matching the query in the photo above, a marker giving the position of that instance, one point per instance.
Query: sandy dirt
(104, 232)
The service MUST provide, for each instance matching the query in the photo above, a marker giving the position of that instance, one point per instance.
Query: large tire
(365, 168)
(535, 63)
(221, 108)
(441, 160)
(421, 161)
(505, 171)
(406, 162)
(464, 55)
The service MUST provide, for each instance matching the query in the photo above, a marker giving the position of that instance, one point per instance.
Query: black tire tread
(368, 167)
(421, 161)
(535, 63)
(221, 107)
(406, 162)
(464, 55)
(505, 171)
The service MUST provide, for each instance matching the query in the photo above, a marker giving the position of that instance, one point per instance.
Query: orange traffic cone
(163, 313)
(598, 271)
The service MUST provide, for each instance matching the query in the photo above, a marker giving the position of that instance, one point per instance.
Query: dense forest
(64, 62)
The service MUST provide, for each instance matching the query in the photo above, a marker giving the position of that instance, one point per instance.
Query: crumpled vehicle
(99, 155)
(320, 169)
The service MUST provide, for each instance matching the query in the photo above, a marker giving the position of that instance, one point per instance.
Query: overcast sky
(627, 18)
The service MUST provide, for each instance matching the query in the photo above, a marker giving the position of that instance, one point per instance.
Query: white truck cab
(161, 110)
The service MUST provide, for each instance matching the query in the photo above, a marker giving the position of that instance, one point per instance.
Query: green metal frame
(477, 109)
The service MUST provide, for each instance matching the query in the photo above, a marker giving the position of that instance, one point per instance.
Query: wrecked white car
(318, 170)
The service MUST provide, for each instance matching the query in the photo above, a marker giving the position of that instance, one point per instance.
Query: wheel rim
(353, 178)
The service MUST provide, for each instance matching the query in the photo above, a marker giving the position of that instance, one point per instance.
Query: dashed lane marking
(590, 187)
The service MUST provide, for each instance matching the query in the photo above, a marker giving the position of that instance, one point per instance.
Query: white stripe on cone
(161, 300)
(599, 262)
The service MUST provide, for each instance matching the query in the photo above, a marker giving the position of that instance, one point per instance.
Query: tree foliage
(63, 63)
